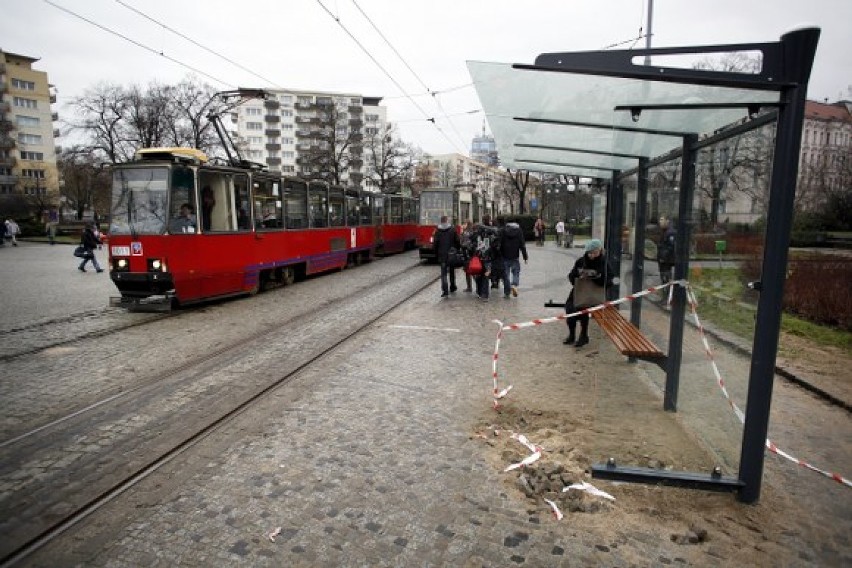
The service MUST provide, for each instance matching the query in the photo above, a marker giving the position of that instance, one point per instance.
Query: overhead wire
(196, 43)
(407, 66)
(387, 73)
(138, 44)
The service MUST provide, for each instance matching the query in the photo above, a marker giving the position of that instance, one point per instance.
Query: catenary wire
(138, 44)
(389, 76)
(194, 42)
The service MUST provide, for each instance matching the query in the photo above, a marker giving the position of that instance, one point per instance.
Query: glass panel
(434, 204)
(365, 208)
(296, 196)
(219, 209)
(507, 94)
(318, 204)
(351, 210)
(243, 201)
(335, 202)
(139, 199)
(268, 203)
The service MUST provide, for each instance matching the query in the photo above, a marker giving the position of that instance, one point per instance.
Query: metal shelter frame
(584, 113)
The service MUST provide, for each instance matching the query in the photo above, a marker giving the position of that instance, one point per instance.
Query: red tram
(184, 231)
(460, 205)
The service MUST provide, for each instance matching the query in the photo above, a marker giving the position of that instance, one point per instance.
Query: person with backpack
(444, 239)
(484, 251)
(89, 242)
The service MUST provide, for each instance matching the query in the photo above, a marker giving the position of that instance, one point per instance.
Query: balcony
(304, 105)
(356, 122)
(273, 161)
(272, 133)
(54, 116)
(8, 179)
(4, 107)
(271, 104)
(6, 125)
(6, 142)
(356, 109)
(303, 133)
(303, 147)
(272, 118)
(273, 147)
(303, 119)
(53, 99)
(56, 133)
(8, 162)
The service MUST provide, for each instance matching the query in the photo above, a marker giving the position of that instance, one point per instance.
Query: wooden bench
(628, 339)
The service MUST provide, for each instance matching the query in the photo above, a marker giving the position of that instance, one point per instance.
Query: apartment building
(457, 170)
(297, 132)
(825, 162)
(27, 134)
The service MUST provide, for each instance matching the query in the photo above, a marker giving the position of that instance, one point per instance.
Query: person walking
(538, 228)
(592, 267)
(560, 231)
(666, 250)
(445, 238)
(466, 246)
(497, 266)
(12, 231)
(4, 231)
(89, 242)
(512, 246)
(484, 245)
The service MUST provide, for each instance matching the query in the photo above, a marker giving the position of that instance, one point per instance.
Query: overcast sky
(297, 44)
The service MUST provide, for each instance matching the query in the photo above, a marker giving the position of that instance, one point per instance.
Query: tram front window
(139, 201)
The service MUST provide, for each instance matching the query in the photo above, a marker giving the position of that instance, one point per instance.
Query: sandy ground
(608, 407)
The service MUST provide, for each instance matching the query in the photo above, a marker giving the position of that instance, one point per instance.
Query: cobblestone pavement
(367, 460)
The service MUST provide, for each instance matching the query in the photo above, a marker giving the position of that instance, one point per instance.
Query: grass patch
(723, 299)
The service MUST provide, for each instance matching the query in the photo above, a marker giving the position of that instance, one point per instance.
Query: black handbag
(455, 258)
(588, 294)
(80, 251)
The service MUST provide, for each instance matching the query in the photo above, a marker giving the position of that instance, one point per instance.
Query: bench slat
(628, 339)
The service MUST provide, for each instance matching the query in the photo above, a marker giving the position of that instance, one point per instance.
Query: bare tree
(521, 180)
(102, 112)
(389, 160)
(192, 102)
(87, 183)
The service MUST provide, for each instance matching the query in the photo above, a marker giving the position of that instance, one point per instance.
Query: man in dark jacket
(512, 245)
(444, 238)
(89, 241)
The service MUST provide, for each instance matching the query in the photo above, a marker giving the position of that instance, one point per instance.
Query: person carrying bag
(591, 276)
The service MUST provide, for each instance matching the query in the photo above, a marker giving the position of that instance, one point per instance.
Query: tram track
(134, 470)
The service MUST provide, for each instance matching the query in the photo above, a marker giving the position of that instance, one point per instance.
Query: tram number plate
(120, 251)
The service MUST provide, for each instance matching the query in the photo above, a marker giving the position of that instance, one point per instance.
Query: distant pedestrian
(560, 231)
(445, 238)
(12, 231)
(538, 229)
(594, 268)
(666, 250)
(512, 246)
(89, 242)
(466, 236)
(52, 224)
(497, 266)
(4, 232)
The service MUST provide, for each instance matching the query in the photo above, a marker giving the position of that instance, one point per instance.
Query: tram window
(379, 209)
(182, 210)
(243, 201)
(139, 200)
(351, 210)
(395, 209)
(318, 204)
(268, 204)
(365, 209)
(335, 207)
(220, 198)
(296, 196)
(409, 212)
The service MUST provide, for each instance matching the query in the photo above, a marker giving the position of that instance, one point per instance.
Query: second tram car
(460, 205)
(184, 231)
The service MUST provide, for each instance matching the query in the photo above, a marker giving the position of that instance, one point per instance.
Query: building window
(23, 85)
(371, 118)
(254, 126)
(286, 113)
(25, 103)
(288, 169)
(250, 111)
(27, 121)
(286, 127)
(32, 174)
(286, 100)
(29, 138)
(287, 141)
(288, 154)
(33, 156)
(254, 140)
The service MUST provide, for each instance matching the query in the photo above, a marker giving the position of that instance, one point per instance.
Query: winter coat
(89, 241)
(666, 247)
(444, 238)
(599, 265)
(512, 242)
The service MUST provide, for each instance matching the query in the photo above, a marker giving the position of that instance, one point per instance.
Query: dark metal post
(779, 220)
(615, 221)
(681, 269)
(639, 240)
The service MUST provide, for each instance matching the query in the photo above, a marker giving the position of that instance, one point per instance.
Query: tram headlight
(156, 265)
(120, 265)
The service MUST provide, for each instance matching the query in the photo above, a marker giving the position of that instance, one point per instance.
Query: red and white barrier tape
(740, 414)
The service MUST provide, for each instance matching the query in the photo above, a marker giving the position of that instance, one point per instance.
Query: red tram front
(183, 231)
(459, 205)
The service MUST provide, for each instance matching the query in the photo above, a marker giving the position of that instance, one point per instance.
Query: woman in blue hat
(593, 268)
